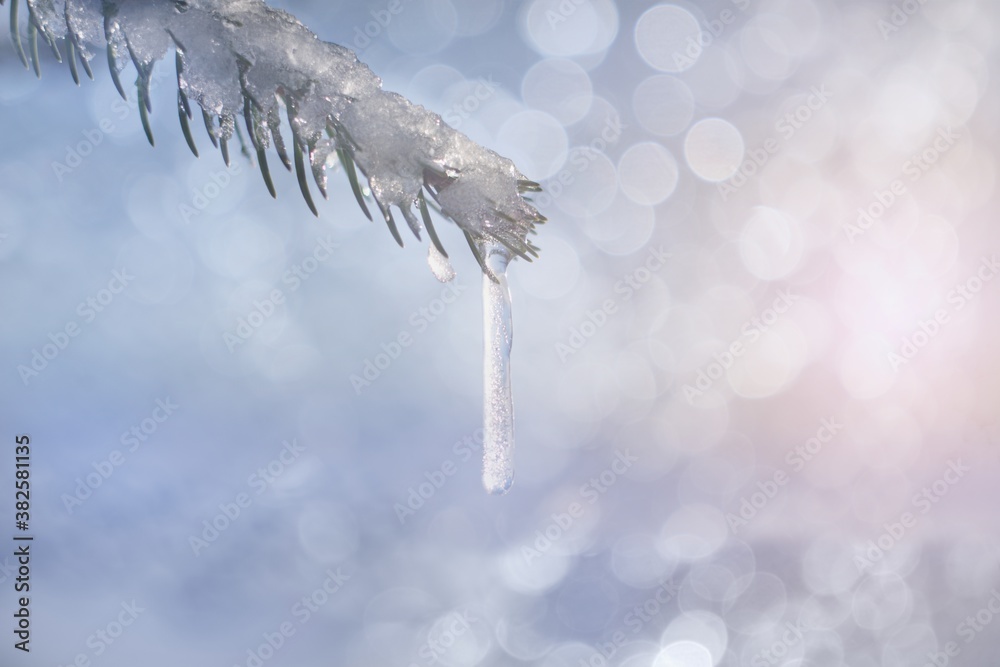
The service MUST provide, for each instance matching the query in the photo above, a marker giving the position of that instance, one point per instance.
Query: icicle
(498, 404)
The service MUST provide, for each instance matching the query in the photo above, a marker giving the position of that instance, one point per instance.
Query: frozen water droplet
(498, 404)
(440, 266)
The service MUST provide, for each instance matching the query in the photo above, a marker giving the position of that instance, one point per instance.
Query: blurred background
(756, 397)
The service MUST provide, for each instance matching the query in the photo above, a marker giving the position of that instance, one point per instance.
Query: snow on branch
(242, 61)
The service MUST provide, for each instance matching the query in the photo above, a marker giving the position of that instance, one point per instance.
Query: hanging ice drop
(498, 404)
(440, 266)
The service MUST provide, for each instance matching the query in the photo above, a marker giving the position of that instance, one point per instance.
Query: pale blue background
(664, 521)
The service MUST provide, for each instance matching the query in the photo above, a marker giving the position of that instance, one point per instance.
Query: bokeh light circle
(648, 173)
(714, 149)
(667, 37)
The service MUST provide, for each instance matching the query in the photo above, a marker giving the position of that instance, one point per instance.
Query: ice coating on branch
(49, 16)
(248, 65)
(84, 21)
(145, 40)
(244, 62)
